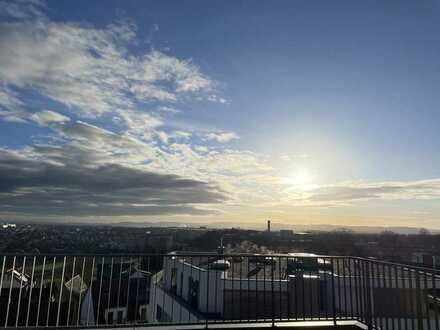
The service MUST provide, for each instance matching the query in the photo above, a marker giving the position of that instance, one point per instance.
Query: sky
(302, 112)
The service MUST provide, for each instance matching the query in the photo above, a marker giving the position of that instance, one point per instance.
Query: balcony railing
(141, 290)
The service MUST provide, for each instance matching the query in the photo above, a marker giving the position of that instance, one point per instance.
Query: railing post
(272, 291)
(434, 287)
(333, 292)
(369, 307)
(207, 294)
(419, 302)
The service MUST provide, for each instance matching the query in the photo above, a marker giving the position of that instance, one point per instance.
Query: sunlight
(300, 179)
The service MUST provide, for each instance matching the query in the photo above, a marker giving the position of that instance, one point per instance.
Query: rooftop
(192, 290)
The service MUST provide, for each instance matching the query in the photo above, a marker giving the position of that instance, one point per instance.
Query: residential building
(116, 300)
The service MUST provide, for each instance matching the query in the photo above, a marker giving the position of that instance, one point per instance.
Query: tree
(424, 232)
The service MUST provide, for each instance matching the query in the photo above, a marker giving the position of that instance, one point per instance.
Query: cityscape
(87, 276)
(420, 248)
(208, 164)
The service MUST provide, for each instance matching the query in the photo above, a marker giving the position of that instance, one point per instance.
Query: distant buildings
(286, 233)
(160, 241)
(9, 225)
(427, 259)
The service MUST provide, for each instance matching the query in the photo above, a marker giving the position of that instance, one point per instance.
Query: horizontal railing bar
(225, 255)
(391, 263)
(171, 254)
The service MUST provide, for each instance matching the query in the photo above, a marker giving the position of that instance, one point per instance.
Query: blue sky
(301, 111)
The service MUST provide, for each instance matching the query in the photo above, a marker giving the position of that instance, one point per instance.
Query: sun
(301, 179)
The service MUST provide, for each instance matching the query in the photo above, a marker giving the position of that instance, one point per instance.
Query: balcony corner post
(369, 316)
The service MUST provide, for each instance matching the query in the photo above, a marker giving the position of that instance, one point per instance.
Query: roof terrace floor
(307, 325)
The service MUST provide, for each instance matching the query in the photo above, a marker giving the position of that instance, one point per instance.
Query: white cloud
(11, 106)
(288, 158)
(222, 137)
(48, 117)
(186, 76)
(184, 135)
(9, 99)
(389, 190)
(162, 136)
(166, 109)
(20, 9)
(90, 70)
(140, 124)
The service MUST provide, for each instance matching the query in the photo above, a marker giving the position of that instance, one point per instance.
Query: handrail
(133, 289)
(214, 254)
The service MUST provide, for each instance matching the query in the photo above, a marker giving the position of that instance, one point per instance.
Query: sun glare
(301, 179)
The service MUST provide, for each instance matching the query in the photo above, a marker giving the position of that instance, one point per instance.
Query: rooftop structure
(213, 289)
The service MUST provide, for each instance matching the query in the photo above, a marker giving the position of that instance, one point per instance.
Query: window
(110, 317)
(322, 295)
(161, 315)
(193, 292)
(433, 301)
(116, 314)
(181, 284)
(143, 312)
(120, 316)
(174, 280)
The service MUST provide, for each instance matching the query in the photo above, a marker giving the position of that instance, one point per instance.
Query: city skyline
(304, 112)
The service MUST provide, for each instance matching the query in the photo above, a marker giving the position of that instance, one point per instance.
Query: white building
(191, 289)
(299, 286)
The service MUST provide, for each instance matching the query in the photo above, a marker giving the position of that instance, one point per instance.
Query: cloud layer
(87, 69)
(86, 170)
(353, 191)
(51, 180)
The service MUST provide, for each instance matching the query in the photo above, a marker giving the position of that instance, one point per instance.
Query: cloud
(47, 117)
(47, 181)
(21, 9)
(138, 123)
(91, 145)
(392, 190)
(238, 173)
(165, 109)
(222, 137)
(184, 135)
(99, 83)
(288, 158)
(11, 106)
(185, 75)
(87, 69)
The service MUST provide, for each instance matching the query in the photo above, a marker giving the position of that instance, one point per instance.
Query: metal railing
(105, 290)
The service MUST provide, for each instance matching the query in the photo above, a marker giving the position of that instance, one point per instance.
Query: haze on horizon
(304, 112)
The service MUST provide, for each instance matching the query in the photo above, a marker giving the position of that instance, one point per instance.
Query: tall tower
(268, 226)
(221, 248)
